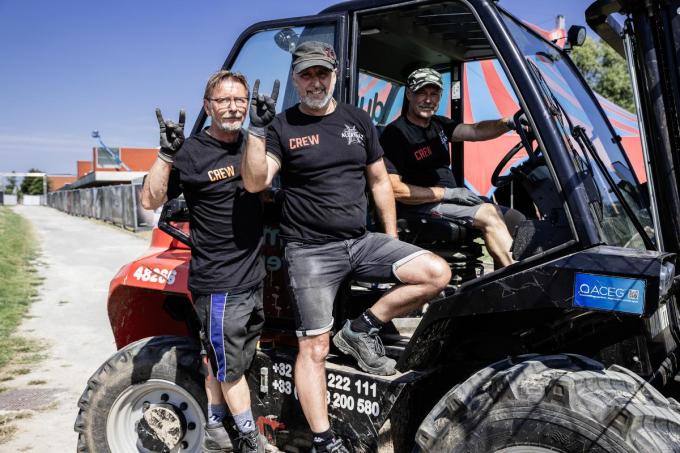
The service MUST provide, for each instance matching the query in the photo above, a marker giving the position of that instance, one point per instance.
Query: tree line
(30, 185)
(605, 71)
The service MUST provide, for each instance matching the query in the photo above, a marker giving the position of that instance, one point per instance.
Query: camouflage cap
(424, 76)
(313, 53)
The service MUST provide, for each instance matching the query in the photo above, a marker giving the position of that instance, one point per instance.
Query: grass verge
(7, 428)
(19, 282)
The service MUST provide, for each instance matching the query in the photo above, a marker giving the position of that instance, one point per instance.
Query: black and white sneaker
(251, 442)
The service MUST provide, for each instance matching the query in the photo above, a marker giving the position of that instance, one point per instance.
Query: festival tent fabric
(488, 95)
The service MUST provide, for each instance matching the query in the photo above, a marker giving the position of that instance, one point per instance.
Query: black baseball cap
(313, 53)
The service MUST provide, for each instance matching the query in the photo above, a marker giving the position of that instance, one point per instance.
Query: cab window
(266, 55)
(447, 37)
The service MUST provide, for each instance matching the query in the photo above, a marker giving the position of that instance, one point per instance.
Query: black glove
(262, 109)
(461, 195)
(172, 136)
(521, 121)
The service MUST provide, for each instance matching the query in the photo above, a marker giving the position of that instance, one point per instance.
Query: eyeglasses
(240, 102)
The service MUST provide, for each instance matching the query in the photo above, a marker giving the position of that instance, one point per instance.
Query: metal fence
(26, 200)
(8, 199)
(120, 205)
(32, 200)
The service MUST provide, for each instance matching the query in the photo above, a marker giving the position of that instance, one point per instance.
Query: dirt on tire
(565, 403)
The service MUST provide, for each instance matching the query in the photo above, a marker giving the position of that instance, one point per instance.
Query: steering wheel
(525, 142)
(496, 178)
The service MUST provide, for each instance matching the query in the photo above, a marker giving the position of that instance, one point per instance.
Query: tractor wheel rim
(128, 409)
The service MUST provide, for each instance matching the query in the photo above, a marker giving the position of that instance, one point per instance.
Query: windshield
(573, 107)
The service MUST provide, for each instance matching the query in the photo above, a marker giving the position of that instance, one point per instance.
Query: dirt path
(79, 258)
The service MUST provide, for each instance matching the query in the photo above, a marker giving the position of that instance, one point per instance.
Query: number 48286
(156, 275)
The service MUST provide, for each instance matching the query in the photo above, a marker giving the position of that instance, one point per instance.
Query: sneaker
(216, 439)
(251, 442)
(335, 446)
(367, 348)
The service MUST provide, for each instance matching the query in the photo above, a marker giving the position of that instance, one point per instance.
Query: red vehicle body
(160, 277)
(163, 270)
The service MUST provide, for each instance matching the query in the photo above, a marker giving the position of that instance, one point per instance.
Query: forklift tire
(161, 373)
(553, 403)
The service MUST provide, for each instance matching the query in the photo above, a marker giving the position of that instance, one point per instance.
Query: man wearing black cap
(327, 154)
(417, 157)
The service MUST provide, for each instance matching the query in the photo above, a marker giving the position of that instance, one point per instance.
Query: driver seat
(450, 240)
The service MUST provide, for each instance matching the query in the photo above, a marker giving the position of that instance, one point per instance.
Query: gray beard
(314, 104)
(227, 127)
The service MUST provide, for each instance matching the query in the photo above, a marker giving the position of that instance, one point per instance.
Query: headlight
(666, 275)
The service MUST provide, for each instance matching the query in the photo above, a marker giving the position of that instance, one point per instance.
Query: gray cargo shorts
(460, 214)
(456, 213)
(316, 272)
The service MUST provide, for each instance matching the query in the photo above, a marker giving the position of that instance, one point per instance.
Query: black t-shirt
(226, 220)
(323, 162)
(419, 154)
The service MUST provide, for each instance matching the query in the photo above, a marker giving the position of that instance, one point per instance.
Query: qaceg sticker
(604, 292)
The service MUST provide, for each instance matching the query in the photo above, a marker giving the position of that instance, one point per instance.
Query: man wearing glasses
(417, 157)
(226, 269)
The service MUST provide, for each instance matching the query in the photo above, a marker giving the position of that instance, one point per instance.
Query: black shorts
(231, 324)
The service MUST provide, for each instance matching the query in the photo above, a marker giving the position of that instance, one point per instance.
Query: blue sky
(67, 68)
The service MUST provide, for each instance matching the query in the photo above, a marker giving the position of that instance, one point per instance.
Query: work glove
(262, 109)
(515, 125)
(172, 136)
(462, 196)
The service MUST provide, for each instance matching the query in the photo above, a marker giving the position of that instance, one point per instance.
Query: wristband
(165, 156)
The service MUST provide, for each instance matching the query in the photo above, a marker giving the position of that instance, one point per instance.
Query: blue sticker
(603, 292)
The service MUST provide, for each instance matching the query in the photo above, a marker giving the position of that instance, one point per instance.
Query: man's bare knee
(440, 273)
(428, 269)
(435, 272)
(314, 348)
